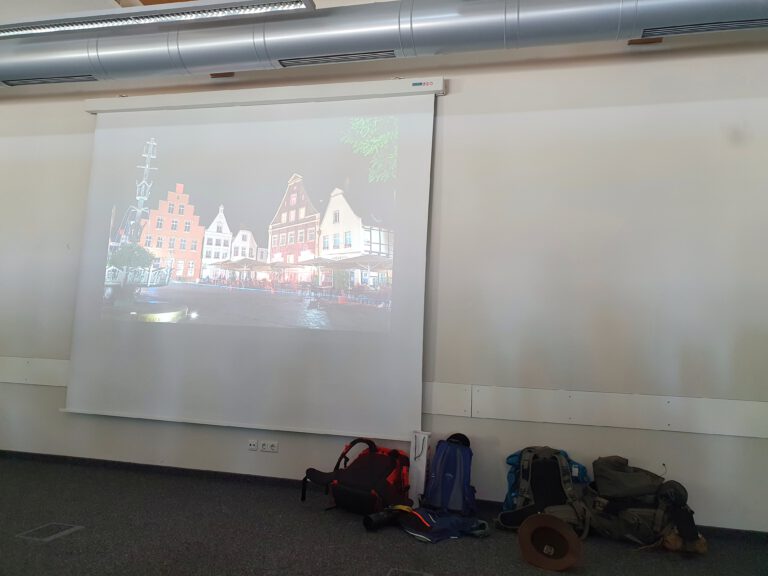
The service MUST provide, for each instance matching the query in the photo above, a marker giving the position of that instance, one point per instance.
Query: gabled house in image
(244, 245)
(174, 235)
(346, 232)
(293, 230)
(217, 245)
(359, 229)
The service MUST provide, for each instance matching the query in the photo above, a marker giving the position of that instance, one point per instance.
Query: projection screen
(258, 265)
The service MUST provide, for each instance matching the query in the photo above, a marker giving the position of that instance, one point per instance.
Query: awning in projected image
(366, 261)
(244, 265)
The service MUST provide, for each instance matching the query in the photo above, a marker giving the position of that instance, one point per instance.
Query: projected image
(222, 234)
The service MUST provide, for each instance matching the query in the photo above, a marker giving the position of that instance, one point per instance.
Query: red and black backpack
(376, 479)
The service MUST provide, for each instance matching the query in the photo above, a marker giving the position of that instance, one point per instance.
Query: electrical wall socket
(253, 445)
(269, 446)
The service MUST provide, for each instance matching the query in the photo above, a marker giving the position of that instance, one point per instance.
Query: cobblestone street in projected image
(226, 306)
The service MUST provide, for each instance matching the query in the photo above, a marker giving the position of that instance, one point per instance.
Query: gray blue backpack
(542, 480)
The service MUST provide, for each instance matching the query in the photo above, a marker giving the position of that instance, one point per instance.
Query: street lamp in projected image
(171, 264)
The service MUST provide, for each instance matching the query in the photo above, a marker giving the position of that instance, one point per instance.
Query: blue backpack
(448, 483)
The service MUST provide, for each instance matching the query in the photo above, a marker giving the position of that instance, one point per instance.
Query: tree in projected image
(376, 138)
(131, 256)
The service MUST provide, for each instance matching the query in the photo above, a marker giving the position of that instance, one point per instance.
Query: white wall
(45, 155)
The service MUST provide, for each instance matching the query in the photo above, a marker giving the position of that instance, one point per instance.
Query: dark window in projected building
(187, 225)
(291, 238)
(170, 208)
(336, 241)
(335, 216)
(218, 228)
(325, 242)
(282, 239)
(300, 236)
(347, 239)
(174, 224)
(209, 242)
(250, 252)
(159, 223)
(171, 242)
(159, 242)
(244, 238)
(181, 211)
(191, 268)
(311, 235)
(148, 241)
(226, 243)
(236, 251)
(207, 253)
(183, 244)
(216, 255)
(218, 241)
(194, 245)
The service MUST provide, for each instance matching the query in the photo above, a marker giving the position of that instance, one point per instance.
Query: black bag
(376, 479)
(628, 503)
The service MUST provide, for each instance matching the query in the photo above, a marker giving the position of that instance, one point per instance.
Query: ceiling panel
(16, 10)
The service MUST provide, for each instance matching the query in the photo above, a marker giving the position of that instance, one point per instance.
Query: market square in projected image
(245, 250)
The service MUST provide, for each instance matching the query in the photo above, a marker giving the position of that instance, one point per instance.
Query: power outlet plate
(269, 446)
(253, 445)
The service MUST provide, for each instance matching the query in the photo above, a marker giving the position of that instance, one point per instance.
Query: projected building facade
(340, 229)
(294, 229)
(345, 234)
(217, 245)
(173, 234)
(244, 246)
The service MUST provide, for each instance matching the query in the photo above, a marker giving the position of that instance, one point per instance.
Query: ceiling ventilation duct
(405, 28)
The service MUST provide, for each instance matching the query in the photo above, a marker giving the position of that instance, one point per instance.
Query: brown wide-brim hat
(549, 543)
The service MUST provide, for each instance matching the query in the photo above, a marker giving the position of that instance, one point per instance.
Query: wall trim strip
(639, 411)
(36, 371)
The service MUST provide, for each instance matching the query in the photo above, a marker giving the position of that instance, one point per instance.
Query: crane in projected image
(129, 231)
(129, 264)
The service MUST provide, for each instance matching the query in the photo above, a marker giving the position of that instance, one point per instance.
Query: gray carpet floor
(141, 521)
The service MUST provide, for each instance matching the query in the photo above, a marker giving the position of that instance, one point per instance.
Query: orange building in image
(174, 235)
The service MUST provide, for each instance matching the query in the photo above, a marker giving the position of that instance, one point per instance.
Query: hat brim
(549, 543)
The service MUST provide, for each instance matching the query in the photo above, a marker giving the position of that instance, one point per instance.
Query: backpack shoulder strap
(316, 477)
(565, 476)
(400, 458)
(524, 485)
(371, 446)
(660, 519)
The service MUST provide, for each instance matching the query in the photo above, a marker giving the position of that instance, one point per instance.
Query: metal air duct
(405, 28)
